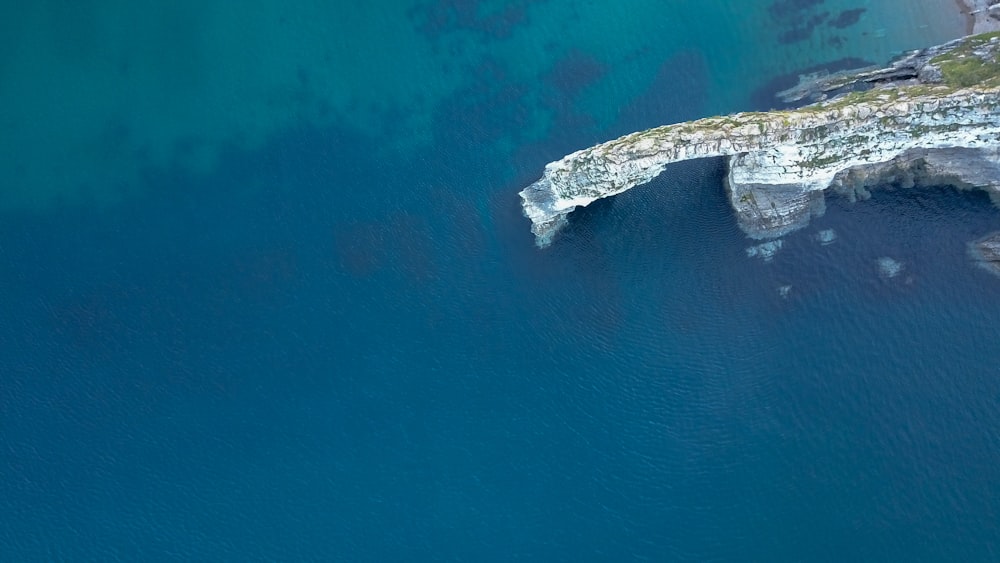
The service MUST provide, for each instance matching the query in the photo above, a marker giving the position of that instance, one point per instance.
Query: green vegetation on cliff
(973, 63)
(943, 97)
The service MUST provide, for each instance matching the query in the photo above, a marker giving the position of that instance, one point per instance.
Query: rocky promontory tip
(933, 116)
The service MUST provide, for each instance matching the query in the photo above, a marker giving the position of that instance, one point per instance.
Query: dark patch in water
(676, 94)
(763, 98)
(438, 18)
(803, 31)
(489, 108)
(170, 362)
(573, 72)
(847, 18)
(795, 16)
(564, 82)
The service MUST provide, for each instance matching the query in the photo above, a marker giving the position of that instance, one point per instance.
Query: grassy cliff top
(950, 73)
(974, 62)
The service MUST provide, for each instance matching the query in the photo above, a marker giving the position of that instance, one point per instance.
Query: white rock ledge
(780, 162)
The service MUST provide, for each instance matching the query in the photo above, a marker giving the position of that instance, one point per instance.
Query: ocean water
(267, 294)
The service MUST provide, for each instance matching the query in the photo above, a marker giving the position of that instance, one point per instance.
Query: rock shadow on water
(571, 288)
(672, 242)
(899, 243)
(685, 205)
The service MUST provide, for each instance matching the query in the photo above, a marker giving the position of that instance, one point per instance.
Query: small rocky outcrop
(986, 252)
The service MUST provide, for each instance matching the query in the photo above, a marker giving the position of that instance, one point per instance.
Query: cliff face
(935, 111)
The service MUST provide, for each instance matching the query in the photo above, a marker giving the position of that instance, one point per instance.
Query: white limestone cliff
(940, 109)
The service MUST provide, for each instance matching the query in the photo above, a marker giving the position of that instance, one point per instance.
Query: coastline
(979, 17)
(934, 107)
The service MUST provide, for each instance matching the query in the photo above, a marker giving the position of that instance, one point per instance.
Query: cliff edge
(932, 116)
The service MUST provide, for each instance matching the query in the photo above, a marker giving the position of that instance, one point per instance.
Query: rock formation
(933, 116)
(986, 252)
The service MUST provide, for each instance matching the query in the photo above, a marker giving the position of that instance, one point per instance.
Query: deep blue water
(324, 347)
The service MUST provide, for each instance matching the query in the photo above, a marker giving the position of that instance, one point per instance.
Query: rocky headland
(931, 117)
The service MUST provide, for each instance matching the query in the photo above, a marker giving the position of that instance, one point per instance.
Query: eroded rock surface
(933, 118)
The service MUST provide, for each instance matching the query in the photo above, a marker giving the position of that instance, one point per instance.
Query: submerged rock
(765, 250)
(888, 267)
(986, 252)
(826, 236)
(934, 118)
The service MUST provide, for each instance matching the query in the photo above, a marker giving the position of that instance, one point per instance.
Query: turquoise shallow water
(269, 295)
